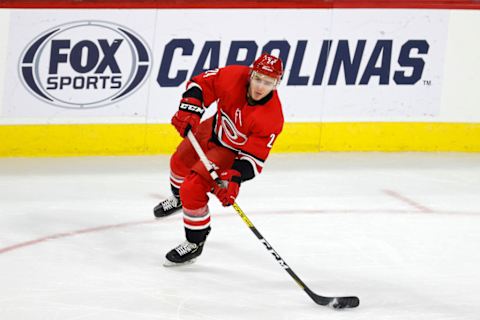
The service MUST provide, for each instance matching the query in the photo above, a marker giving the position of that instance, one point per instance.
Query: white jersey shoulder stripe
(193, 85)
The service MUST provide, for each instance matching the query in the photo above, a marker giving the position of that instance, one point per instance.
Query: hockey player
(237, 140)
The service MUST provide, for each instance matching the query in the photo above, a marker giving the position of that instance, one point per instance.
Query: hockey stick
(334, 302)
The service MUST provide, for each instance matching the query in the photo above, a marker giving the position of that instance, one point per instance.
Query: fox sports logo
(85, 64)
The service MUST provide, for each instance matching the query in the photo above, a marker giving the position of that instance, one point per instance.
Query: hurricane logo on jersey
(228, 132)
(85, 64)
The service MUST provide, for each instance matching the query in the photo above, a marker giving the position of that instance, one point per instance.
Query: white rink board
(461, 94)
(4, 25)
(341, 96)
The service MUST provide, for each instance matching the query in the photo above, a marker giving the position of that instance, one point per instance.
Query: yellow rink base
(140, 139)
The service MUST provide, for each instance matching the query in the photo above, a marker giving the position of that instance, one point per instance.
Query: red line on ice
(408, 201)
(72, 233)
(299, 211)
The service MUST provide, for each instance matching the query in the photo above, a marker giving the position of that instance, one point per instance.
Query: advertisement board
(132, 64)
(103, 81)
(79, 65)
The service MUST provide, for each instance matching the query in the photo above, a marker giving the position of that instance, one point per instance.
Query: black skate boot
(185, 253)
(167, 207)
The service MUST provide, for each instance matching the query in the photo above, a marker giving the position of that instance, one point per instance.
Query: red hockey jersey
(250, 130)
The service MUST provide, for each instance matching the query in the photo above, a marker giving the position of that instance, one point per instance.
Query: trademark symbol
(427, 82)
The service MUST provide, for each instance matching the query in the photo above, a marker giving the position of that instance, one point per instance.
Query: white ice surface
(401, 231)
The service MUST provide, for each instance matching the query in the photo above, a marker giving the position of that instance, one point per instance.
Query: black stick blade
(344, 302)
(334, 302)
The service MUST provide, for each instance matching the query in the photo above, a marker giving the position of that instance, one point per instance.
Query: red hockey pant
(197, 183)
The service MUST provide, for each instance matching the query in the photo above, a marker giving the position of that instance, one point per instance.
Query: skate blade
(163, 215)
(168, 264)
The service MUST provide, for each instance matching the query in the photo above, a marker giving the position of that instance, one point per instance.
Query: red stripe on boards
(171, 4)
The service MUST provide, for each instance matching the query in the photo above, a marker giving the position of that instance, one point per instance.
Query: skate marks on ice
(89, 246)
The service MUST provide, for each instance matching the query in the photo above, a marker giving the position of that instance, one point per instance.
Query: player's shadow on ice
(158, 196)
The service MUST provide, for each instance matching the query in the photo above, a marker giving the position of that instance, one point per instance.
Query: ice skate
(183, 254)
(167, 207)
